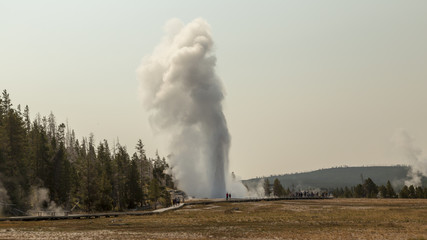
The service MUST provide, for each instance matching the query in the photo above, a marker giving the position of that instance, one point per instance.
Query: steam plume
(183, 95)
(413, 156)
(40, 201)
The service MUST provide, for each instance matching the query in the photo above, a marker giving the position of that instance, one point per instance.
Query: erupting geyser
(183, 96)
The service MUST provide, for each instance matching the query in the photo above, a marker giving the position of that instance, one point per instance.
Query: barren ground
(304, 219)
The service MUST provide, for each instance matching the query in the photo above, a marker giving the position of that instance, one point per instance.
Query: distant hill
(339, 177)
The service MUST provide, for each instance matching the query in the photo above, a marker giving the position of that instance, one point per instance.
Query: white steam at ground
(412, 155)
(40, 202)
(183, 96)
(256, 189)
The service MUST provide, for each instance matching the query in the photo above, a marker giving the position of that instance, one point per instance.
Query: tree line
(94, 177)
(371, 190)
(278, 190)
(366, 190)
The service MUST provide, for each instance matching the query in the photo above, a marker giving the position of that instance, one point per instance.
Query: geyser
(183, 96)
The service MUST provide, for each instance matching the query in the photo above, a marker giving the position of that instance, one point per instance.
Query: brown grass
(309, 219)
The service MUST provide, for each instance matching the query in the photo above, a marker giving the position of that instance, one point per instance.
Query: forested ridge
(41, 156)
(340, 177)
(367, 189)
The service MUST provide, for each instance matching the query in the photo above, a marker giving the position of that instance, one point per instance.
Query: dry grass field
(305, 219)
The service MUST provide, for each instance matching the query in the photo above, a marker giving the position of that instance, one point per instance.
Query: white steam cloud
(41, 203)
(183, 96)
(412, 155)
(256, 189)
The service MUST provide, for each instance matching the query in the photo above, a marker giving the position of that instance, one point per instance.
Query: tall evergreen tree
(155, 192)
(412, 193)
(121, 162)
(135, 190)
(105, 174)
(390, 190)
(419, 192)
(359, 191)
(383, 191)
(266, 186)
(404, 193)
(370, 188)
(347, 192)
(13, 148)
(278, 189)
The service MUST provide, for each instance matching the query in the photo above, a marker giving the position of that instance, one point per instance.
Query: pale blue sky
(310, 84)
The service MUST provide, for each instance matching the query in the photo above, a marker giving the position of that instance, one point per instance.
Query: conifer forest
(43, 165)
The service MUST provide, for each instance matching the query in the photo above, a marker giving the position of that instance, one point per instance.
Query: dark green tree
(419, 192)
(144, 169)
(278, 189)
(135, 190)
(165, 197)
(105, 175)
(347, 192)
(412, 193)
(13, 153)
(404, 193)
(121, 167)
(383, 191)
(267, 190)
(154, 193)
(159, 167)
(359, 191)
(370, 188)
(390, 190)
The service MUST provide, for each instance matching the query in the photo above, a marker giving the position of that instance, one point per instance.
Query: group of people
(309, 194)
(176, 201)
(227, 196)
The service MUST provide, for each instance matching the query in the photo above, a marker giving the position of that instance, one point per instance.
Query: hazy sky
(310, 84)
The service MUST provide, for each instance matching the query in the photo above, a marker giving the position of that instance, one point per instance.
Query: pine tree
(121, 166)
(27, 119)
(144, 168)
(347, 192)
(166, 197)
(88, 176)
(370, 188)
(105, 173)
(411, 190)
(154, 193)
(267, 191)
(13, 157)
(390, 190)
(135, 190)
(61, 171)
(419, 192)
(159, 167)
(359, 191)
(383, 191)
(404, 193)
(278, 189)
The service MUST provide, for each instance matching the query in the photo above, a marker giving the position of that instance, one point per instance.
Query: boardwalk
(136, 213)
